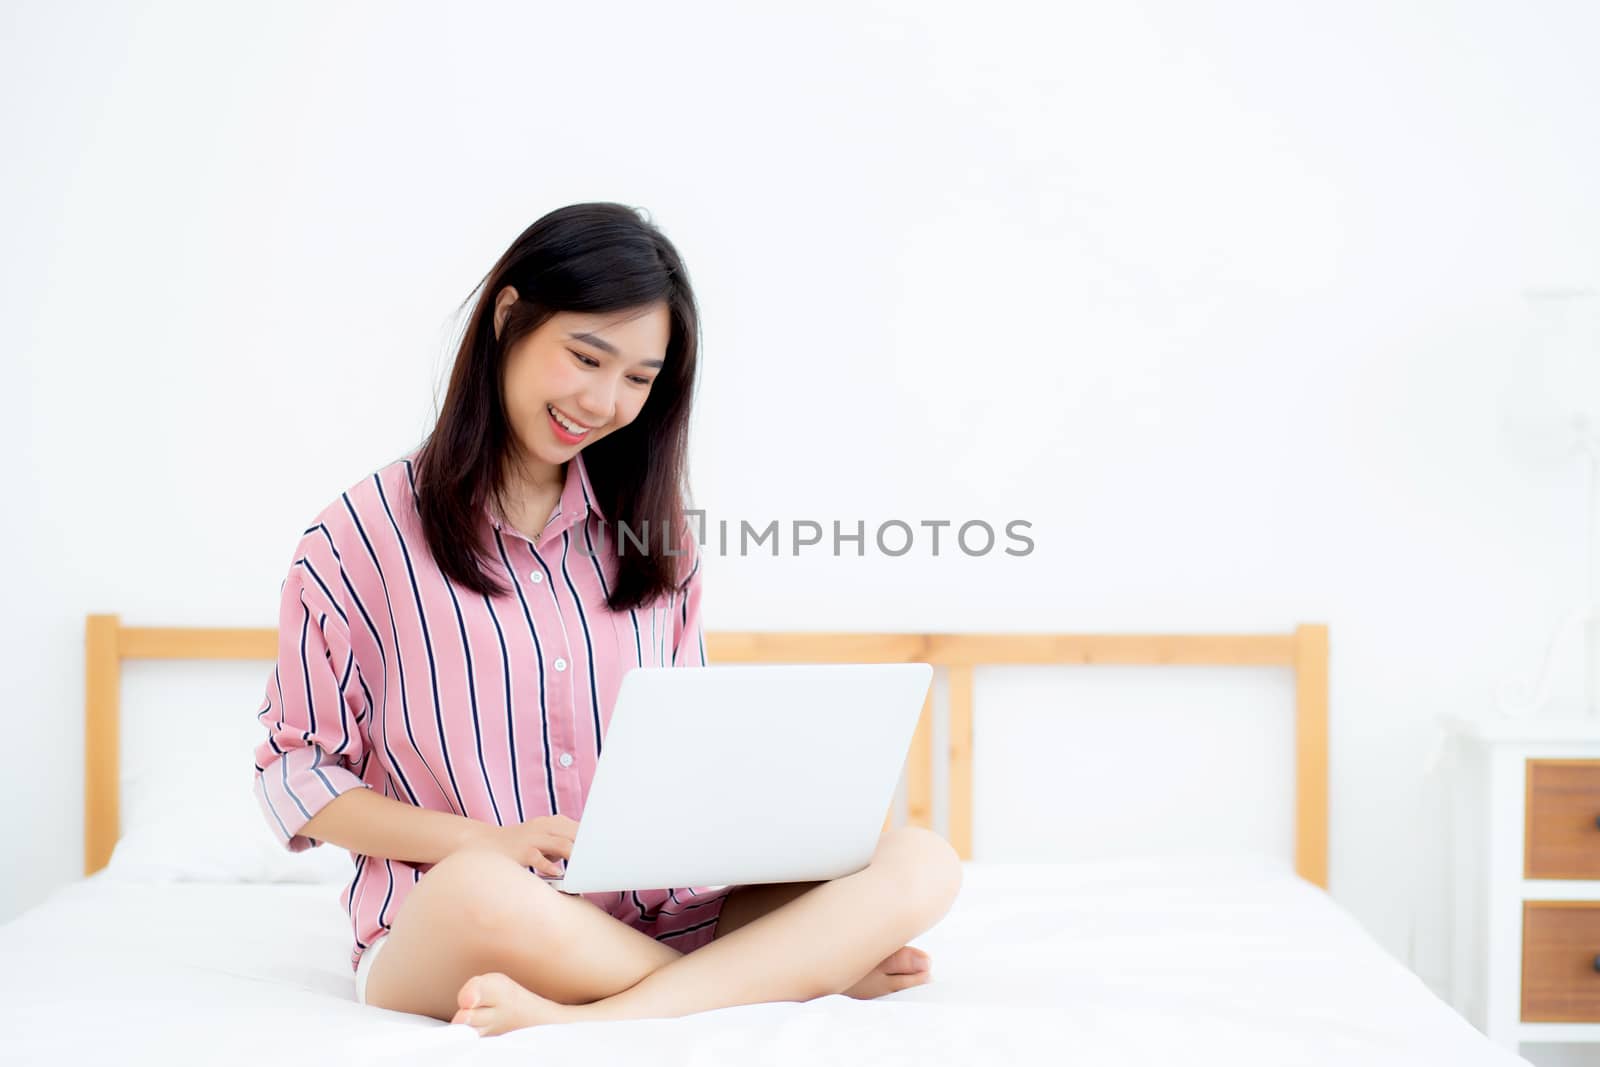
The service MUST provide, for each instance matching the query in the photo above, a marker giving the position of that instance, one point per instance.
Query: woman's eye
(587, 362)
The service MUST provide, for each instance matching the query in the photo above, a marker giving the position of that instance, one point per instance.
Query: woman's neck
(524, 476)
(530, 491)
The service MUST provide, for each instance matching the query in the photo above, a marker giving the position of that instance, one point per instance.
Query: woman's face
(595, 370)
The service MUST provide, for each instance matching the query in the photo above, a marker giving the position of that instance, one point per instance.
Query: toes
(906, 981)
(483, 1020)
(484, 990)
(907, 960)
(494, 1003)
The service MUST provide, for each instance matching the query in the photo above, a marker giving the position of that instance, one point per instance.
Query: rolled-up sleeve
(315, 709)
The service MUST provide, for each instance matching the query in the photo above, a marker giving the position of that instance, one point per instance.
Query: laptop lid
(734, 775)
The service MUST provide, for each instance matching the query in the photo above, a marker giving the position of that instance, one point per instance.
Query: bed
(1153, 959)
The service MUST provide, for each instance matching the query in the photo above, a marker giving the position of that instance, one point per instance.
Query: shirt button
(566, 759)
(561, 664)
(536, 576)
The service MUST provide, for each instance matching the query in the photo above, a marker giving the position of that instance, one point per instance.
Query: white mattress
(1160, 961)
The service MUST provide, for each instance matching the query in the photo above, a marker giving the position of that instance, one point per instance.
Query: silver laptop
(738, 775)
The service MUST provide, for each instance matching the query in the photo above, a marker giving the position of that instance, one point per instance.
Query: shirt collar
(576, 504)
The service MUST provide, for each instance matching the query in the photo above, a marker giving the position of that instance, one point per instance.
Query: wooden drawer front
(1562, 838)
(1560, 941)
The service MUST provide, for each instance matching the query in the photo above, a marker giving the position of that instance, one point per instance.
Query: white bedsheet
(1160, 961)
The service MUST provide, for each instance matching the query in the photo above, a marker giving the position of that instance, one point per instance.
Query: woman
(453, 632)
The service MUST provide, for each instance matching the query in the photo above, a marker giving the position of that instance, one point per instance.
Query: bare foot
(495, 1004)
(901, 969)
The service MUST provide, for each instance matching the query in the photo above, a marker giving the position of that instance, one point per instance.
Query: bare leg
(476, 911)
(903, 968)
(820, 943)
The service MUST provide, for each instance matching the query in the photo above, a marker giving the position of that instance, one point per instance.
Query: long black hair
(596, 257)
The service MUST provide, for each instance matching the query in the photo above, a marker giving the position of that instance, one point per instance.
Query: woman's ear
(502, 307)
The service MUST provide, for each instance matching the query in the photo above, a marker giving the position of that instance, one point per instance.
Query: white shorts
(364, 967)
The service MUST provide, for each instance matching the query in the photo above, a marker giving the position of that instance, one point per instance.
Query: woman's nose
(599, 406)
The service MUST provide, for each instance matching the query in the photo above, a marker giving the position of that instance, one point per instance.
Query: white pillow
(226, 839)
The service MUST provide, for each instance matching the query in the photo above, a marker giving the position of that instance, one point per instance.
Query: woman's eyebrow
(606, 346)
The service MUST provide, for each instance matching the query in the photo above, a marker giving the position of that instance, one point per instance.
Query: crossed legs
(521, 954)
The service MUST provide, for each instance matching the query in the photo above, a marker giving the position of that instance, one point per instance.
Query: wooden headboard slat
(961, 760)
(919, 770)
(102, 742)
(1305, 652)
(1311, 753)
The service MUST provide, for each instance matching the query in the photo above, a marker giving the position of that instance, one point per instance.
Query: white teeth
(575, 430)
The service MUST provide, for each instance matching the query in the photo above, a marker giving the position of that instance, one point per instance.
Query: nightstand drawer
(1561, 835)
(1560, 946)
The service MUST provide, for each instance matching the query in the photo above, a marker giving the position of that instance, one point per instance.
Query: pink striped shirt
(392, 677)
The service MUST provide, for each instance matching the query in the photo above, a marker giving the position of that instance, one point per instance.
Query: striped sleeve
(315, 708)
(688, 634)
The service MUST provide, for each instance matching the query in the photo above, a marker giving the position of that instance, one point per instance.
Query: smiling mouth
(576, 429)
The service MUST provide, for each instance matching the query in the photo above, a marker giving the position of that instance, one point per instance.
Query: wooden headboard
(1305, 652)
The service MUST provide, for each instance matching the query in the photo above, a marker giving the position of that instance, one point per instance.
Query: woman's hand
(536, 843)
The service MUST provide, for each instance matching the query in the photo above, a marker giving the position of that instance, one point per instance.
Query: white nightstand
(1523, 861)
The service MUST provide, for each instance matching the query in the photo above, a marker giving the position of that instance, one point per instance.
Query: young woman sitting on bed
(452, 635)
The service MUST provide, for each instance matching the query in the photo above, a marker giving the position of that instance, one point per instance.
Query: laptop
(737, 775)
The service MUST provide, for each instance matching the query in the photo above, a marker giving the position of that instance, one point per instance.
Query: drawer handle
(1597, 821)
(1597, 963)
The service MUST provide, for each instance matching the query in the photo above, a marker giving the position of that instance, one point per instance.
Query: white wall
(1220, 298)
